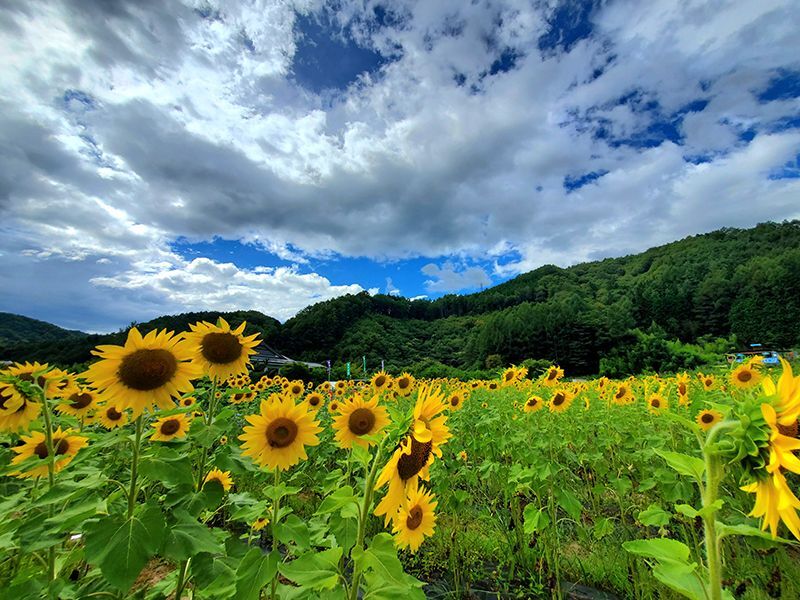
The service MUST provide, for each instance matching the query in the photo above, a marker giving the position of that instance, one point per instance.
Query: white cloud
(121, 131)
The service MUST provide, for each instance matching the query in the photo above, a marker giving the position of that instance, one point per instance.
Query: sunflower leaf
(188, 537)
(317, 570)
(684, 464)
(654, 516)
(255, 571)
(122, 547)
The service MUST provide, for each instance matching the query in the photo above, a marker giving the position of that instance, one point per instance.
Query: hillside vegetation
(671, 307)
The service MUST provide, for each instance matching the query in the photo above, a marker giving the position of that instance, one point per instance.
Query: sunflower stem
(712, 541)
(137, 443)
(209, 420)
(276, 505)
(184, 567)
(369, 489)
(51, 476)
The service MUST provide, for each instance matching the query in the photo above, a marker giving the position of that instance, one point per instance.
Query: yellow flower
(623, 394)
(65, 447)
(295, 389)
(260, 523)
(359, 418)
(17, 408)
(533, 404)
(404, 384)
(223, 477)
(276, 438)
(455, 401)
(147, 370)
(463, 455)
(785, 396)
(223, 440)
(552, 375)
(170, 428)
(656, 403)
(509, 376)
(781, 447)
(55, 382)
(560, 401)
(381, 381)
(708, 418)
(745, 376)
(416, 519)
(187, 402)
(314, 400)
(775, 502)
(429, 405)
(112, 416)
(79, 403)
(708, 382)
(220, 351)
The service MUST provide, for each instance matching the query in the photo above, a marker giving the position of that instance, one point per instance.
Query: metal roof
(269, 357)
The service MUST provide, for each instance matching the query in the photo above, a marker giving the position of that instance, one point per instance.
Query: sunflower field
(168, 469)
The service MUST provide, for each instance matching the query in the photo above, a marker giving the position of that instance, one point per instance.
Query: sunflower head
(707, 418)
(34, 449)
(221, 351)
(404, 384)
(381, 381)
(222, 477)
(533, 404)
(259, 523)
(79, 404)
(171, 428)
(657, 403)
(112, 416)
(416, 519)
(359, 420)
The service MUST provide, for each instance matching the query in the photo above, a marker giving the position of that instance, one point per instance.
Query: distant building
(269, 358)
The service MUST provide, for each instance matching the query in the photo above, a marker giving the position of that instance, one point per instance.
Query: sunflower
(775, 502)
(112, 416)
(416, 519)
(785, 397)
(708, 418)
(708, 382)
(314, 400)
(745, 376)
(65, 446)
(146, 370)
(79, 403)
(359, 418)
(170, 428)
(427, 410)
(276, 438)
(223, 477)
(381, 381)
(334, 406)
(455, 401)
(656, 403)
(533, 404)
(560, 401)
(23, 408)
(407, 464)
(187, 402)
(220, 351)
(682, 382)
(223, 440)
(475, 384)
(55, 382)
(509, 376)
(781, 447)
(492, 385)
(404, 384)
(295, 389)
(552, 375)
(259, 523)
(463, 455)
(623, 394)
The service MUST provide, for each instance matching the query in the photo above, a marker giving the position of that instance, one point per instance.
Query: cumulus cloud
(452, 278)
(126, 126)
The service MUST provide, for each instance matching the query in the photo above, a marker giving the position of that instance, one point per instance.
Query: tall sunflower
(112, 416)
(56, 383)
(708, 382)
(682, 384)
(381, 381)
(533, 404)
(428, 410)
(407, 464)
(657, 403)
(357, 419)
(552, 375)
(708, 418)
(509, 376)
(219, 350)
(17, 408)
(223, 477)
(623, 394)
(79, 403)
(775, 502)
(171, 428)
(145, 371)
(416, 519)
(276, 438)
(295, 389)
(745, 376)
(314, 400)
(404, 384)
(65, 446)
(560, 401)
(455, 400)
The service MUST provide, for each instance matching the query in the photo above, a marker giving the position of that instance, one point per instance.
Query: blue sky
(189, 155)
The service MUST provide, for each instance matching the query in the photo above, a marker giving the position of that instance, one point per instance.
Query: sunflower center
(61, 446)
(314, 401)
(170, 427)
(454, 401)
(147, 369)
(532, 402)
(745, 376)
(414, 518)
(789, 430)
(79, 401)
(558, 399)
(551, 374)
(410, 464)
(113, 414)
(682, 389)
(281, 432)
(361, 421)
(620, 393)
(380, 380)
(221, 348)
(402, 383)
(297, 390)
(655, 403)
(707, 418)
(509, 376)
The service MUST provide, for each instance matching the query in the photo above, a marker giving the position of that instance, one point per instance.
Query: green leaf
(171, 472)
(535, 519)
(254, 572)
(654, 516)
(122, 547)
(188, 537)
(662, 549)
(570, 503)
(684, 464)
(213, 576)
(602, 528)
(681, 578)
(294, 530)
(384, 576)
(338, 500)
(724, 529)
(317, 570)
(72, 517)
(345, 530)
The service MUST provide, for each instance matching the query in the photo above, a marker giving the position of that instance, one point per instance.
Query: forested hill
(16, 329)
(660, 309)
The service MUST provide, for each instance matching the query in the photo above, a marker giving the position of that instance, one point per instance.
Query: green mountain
(671, 307)
(16, 329)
